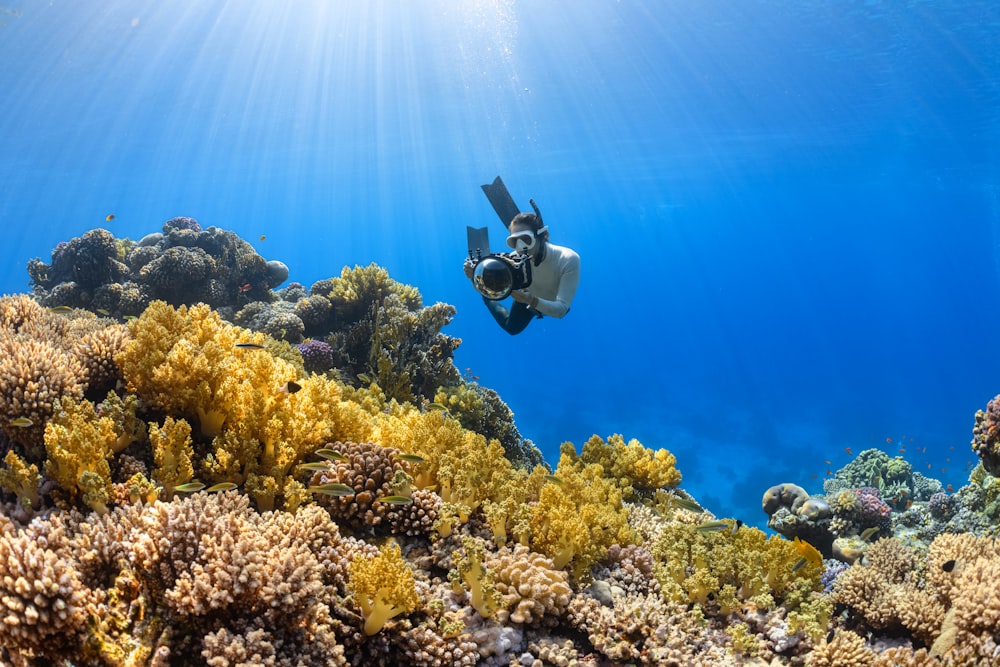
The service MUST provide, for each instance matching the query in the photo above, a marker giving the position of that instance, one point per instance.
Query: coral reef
(183, 265)
(183, 490)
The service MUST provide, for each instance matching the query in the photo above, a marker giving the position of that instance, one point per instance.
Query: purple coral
(942, 506)
(181, 223)
(872, 510)
(317, 356)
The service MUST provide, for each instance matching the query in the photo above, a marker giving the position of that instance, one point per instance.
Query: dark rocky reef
(182, 265)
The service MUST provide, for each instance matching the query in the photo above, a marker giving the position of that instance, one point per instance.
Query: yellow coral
(736, 567)
(579, 515)
(470, 571)
(21, 479)
(172, 453)
(383, 587)
(187, 362)
(632, 466)
(79, 445)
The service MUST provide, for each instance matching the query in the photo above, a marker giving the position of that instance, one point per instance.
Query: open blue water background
(788, 213)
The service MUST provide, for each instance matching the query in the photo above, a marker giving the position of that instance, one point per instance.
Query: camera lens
(493, 279)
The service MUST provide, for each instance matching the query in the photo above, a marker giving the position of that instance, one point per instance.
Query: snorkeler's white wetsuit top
(554, 281)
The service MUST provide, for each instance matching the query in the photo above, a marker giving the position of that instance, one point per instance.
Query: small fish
(737, 525)
(190, 487)
(130, 318)
(411, 458)
(60, 309)
(799, 564)
(950, 488)
(109, 217)
(686, 504)
(829, 636)
(333, 489)
(331, 454)
(364, 377)
(22, 422)
(888, 441)
(221, 486)
(249, 346)
(290, 387)
(848, 450)
(262, 237)
(395, 500)
(438, 406)
(244, 288)
(102, 311)
(868, 532)
(315, 465)
(948, 565)
(713, 527)
(553, 479)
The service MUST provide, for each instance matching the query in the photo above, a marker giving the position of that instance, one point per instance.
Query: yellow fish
(395, 500)
(190, 487)
(315, 465)
(21, 422)
(109, 217)
(808, 551)
(411, 458)
(713, 527)
(221, 486)
(333, 489)
(331, 454)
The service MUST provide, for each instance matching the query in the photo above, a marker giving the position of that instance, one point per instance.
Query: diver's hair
(531, 221)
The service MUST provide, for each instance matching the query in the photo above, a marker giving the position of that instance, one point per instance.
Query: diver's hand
(469, 267)
(522, 296)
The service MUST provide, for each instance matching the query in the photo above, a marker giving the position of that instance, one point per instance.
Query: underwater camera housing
(496, 275)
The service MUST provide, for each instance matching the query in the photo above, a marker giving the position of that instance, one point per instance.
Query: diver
(553, 274)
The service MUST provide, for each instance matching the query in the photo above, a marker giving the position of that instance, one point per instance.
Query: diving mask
(524, 241)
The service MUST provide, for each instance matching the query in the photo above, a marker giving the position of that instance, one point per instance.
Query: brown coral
(34, 374)
(42, 602)
(845, 649)
(531, 587)
(373, 472)
(96, 352)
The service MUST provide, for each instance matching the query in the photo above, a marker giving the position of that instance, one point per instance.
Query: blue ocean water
(788, 213)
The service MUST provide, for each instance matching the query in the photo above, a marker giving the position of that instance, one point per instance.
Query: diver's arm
(568, 282)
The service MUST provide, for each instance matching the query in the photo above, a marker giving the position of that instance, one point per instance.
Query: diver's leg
(520, 317)
(498, 311)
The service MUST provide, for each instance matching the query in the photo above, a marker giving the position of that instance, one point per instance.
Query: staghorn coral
(632, 467)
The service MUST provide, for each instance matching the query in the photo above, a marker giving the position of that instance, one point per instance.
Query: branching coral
(34, 374)
(96, 353)
(172, 453)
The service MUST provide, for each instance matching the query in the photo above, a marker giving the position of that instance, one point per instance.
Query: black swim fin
(501, 200)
